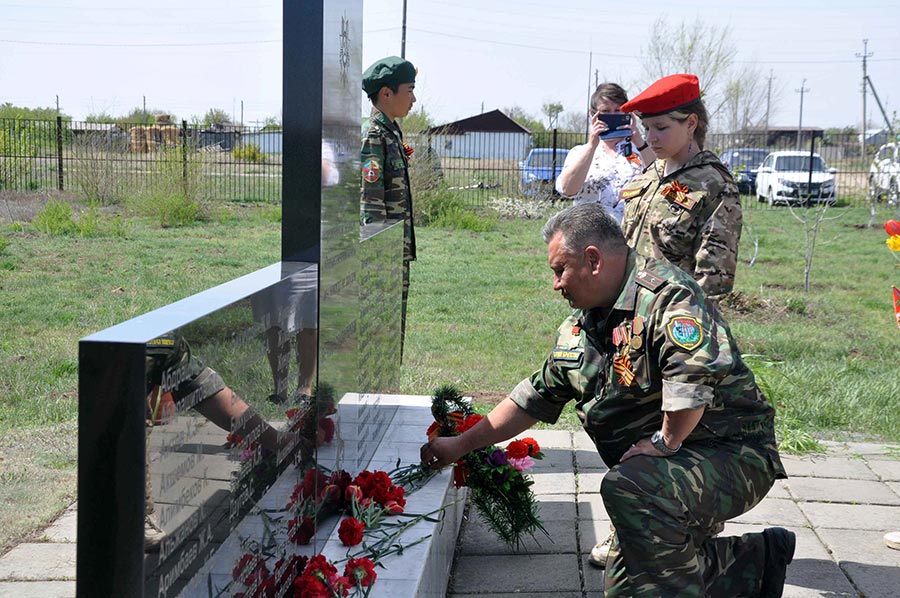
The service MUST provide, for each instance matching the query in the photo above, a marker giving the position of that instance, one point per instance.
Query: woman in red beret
(685, 207)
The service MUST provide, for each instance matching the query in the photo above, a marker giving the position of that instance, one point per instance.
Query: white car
(784, 177)
(884, 174)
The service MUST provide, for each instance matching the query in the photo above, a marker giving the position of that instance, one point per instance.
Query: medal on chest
(623, 338)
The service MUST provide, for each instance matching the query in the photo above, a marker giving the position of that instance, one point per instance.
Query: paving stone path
(839, 504)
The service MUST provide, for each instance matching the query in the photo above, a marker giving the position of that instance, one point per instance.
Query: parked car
(784, 177)
(743, 163)
(538, 176)
(884, 174)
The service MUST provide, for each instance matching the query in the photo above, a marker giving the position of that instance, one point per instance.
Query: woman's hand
(636, 138)
(598, 127)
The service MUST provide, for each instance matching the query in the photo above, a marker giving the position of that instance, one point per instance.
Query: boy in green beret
(384, 157)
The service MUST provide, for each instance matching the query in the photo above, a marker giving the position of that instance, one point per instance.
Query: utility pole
(146, 120)
(768, 107)
(862, 138)
(587, 123)
(242, 114)
(403, 33)
(596, 78)
(57, 104)
(803, 89)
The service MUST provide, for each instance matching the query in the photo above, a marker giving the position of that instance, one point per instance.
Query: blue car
(538, 176)
(744, 162)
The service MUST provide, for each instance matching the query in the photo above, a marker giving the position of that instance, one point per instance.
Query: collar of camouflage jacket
(703, 158)
(627, 299)
(378, 115)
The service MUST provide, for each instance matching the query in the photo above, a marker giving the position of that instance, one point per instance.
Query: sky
(187, 56)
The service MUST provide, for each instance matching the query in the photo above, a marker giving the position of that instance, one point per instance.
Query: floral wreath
(498, 485)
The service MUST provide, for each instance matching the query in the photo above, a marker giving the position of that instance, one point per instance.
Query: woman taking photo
(597, 170)
(685, 207)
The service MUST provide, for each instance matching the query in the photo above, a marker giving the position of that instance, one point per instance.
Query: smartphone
(614, 121)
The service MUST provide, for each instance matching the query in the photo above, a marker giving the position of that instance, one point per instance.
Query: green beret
(388, 72)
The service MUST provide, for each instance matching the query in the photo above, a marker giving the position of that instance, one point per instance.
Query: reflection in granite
(267, 376)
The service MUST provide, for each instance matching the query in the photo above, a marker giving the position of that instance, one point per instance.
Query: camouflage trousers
(662, 509)
(403, 307)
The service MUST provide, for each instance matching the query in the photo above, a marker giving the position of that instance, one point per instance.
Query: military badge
(685, 331)
(678, 193)
(371, 171)
(407, 149)
(632, 190)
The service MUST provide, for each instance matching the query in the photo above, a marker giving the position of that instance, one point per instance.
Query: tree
(744, 99)
(417, 121)
(215, 116)
(271, 123)
(8, 110)
(704, 50)
(573, 121)
(552, 111)
(518, 114)
(99, 117)
(137, 115)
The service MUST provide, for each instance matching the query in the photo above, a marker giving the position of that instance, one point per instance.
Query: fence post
(59, 152)
(553, 163)
(184, 155)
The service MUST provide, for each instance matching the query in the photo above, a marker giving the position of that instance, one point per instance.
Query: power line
(159, 45)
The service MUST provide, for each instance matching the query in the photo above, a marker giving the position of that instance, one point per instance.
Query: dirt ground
(16, 206)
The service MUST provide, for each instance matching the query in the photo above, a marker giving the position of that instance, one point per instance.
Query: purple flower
(498, 458)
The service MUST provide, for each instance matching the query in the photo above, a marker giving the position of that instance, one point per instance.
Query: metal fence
(101, 160)
(488, 165)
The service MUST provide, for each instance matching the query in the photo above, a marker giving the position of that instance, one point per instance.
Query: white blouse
(606, 176)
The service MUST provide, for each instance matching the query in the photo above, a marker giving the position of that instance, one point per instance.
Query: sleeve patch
(371, 170)
(563, 354)
(685, 331)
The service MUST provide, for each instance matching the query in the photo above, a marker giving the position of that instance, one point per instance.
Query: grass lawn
(482, 315)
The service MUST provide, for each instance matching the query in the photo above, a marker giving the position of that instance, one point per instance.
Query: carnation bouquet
(498, 484)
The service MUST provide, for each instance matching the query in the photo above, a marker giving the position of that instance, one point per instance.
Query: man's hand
(440, 452)
(642, 447)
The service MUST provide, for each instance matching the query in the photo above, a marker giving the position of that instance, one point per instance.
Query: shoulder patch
(649, 281)
(633, 189)
(685, 331)
(371, 170)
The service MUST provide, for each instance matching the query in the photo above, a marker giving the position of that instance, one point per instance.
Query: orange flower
(676, 191)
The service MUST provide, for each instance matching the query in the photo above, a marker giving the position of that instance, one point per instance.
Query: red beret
(666, 95)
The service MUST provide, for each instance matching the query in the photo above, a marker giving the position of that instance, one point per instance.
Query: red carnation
(393, 507)
(469, 422)
(310, 586)
(351, 531)
(360, 572)
(301, 532)
(320, 564)
(517, 450)
(533, 447)
(326, 426)
(353, 492)
(892, 227)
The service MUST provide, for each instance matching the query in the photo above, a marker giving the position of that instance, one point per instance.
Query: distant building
(782, 136)
(489, 135)
(268, 141)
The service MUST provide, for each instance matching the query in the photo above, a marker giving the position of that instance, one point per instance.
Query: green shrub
(4, 245)
(59, 218)
(55, 218)
(449, 210)
(796, 305)
(249, 152)
(177, 193)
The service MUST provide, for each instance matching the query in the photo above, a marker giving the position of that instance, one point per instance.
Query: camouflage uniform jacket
(692, 218)
(682, 356)
(385, 179)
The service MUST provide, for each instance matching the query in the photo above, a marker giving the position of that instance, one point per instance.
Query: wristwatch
(643, 147)
(659, 444)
